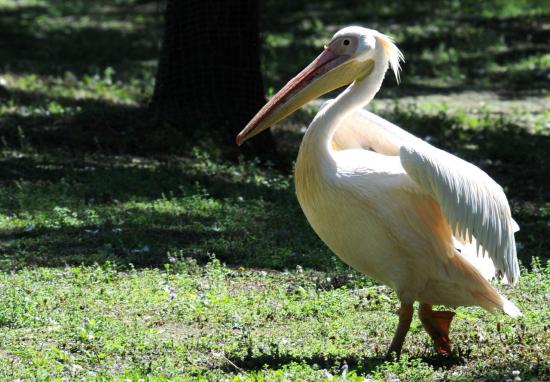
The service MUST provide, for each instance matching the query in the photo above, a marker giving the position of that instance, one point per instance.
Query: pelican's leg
(437, 324)
(405, 318)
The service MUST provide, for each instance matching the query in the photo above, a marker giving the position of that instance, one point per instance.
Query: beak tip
(238, 140)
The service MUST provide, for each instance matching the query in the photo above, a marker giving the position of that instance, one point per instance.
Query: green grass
(188, 321)
(129, 252)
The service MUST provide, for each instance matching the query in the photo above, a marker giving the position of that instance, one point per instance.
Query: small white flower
(75, 369)
(325, 374)
(217, 228)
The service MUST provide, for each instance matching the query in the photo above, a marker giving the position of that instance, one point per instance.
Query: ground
(128, 252)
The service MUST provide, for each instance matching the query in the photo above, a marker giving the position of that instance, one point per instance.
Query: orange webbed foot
(437, 324)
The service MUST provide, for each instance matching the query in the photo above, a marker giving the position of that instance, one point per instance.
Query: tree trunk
(209, 70)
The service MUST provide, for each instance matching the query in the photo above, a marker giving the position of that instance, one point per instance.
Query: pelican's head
(349, 56)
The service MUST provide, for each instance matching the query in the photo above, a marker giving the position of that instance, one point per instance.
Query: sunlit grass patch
(103, 86)
(21, 4)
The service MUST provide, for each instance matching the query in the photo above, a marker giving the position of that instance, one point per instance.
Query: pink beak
(323, 63)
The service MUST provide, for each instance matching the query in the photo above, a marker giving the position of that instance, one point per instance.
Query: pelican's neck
(321, 131)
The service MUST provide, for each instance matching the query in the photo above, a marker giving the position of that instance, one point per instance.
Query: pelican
(422, 221)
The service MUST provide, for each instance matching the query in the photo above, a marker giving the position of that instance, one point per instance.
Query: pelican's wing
(474, 204)
(363, 129)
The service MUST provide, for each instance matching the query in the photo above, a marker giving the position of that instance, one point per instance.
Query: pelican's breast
(361, 211)
(351, 226)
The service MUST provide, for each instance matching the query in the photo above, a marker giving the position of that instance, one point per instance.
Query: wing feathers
(475, 206)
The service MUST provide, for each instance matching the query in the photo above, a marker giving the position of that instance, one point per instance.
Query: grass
(447, 44)
(129, 253)
(212, 322)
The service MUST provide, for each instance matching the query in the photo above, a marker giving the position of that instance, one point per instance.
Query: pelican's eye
(346, 42)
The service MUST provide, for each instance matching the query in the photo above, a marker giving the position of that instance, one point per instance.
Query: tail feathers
(484, 293)
(510, 309)
(491, 300)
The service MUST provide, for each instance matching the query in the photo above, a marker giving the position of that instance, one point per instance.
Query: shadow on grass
(90, 126)
(363, 365)
(72, 163)
(76, 39)
(360, 365)
(451, 41)
(136, 244)
(142, 211)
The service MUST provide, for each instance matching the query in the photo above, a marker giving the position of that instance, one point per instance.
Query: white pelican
(405, 213)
